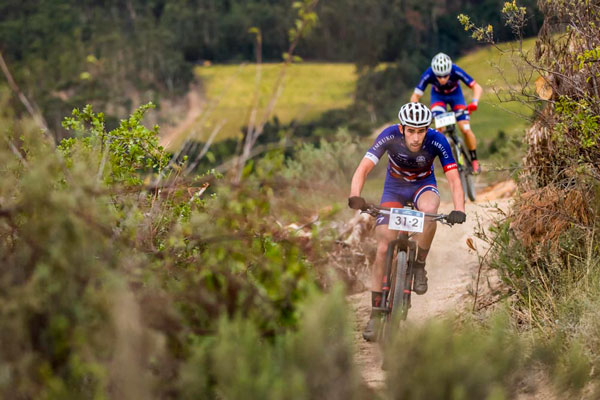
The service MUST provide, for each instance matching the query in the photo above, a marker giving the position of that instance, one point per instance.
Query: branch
(35, 114)
(252, 138)
(207, 145)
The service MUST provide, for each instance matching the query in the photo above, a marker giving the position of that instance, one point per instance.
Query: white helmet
(415, 114)
(441, 64)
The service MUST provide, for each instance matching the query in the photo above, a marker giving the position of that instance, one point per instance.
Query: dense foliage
(102, 231)
(546, 249)
(553, 224)
(121, 280)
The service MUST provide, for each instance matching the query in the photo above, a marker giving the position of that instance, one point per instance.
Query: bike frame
(459, 152)
(402, 243)
(463, 160)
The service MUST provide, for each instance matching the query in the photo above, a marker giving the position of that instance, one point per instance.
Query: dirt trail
(195, 103)
(451, 268)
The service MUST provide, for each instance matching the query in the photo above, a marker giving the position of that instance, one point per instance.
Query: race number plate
(402, 219)
(445, 119)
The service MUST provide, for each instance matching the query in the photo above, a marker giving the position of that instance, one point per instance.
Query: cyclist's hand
(472, 107)
(357, 203)
(456, 217)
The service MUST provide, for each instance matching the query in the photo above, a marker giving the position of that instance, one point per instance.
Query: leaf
(471, 244)
(543, 88)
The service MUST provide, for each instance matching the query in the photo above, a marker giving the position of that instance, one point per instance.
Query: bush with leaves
(466, 359)
(315, 362)
(103, 230)
(546, 249)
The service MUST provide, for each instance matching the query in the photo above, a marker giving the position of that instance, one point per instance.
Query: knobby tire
(466, 176)
(402, 288)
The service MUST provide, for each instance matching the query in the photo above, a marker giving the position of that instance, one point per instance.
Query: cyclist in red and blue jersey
(445, 77)
(411, 147)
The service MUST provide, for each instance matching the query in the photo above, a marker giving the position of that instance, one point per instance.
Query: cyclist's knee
(430, 207)
(383, 240)
(429, 202)
(465, 127)
(382, 247)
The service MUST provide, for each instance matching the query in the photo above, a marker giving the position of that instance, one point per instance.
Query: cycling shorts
(396, 193)
(456, 100)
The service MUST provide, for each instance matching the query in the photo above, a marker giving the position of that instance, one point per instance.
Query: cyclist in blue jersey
(445, 77)
(411, 147)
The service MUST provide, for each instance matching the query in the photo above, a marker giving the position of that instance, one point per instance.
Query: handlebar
(461, 112)
(374, 211)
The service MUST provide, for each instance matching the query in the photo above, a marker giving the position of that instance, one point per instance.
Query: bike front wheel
(402, 288)
(466, 180)
(465, 171)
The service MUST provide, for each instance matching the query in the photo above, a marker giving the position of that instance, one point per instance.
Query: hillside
(310, 89)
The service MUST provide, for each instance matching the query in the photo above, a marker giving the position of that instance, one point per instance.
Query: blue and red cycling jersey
(448, 93)
(456, 75)
(405, 165)
(409, 174)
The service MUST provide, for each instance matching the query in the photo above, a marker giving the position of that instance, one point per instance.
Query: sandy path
(194, 105)
(451, 268)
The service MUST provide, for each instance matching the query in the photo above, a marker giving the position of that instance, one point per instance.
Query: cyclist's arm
(469, 81)
(360, 176)
(458, 196)
(421, 86)
(477, 91)
(451, 170)
(371, 159)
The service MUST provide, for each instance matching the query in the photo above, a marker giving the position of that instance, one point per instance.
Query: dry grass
(543, 215)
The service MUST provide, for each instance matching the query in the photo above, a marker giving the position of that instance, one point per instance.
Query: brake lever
(371, 211)
(442, 219)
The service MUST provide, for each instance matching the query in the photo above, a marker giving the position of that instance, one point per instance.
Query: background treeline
(120, 54)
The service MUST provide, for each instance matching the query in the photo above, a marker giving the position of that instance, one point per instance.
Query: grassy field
(309, 90)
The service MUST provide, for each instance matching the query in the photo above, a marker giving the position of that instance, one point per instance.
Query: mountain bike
(447, 120)
(401, 254)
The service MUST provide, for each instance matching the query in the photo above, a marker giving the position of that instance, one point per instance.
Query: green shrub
(446, 360)
(101, 231)
(465, 359)
(315, 362)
